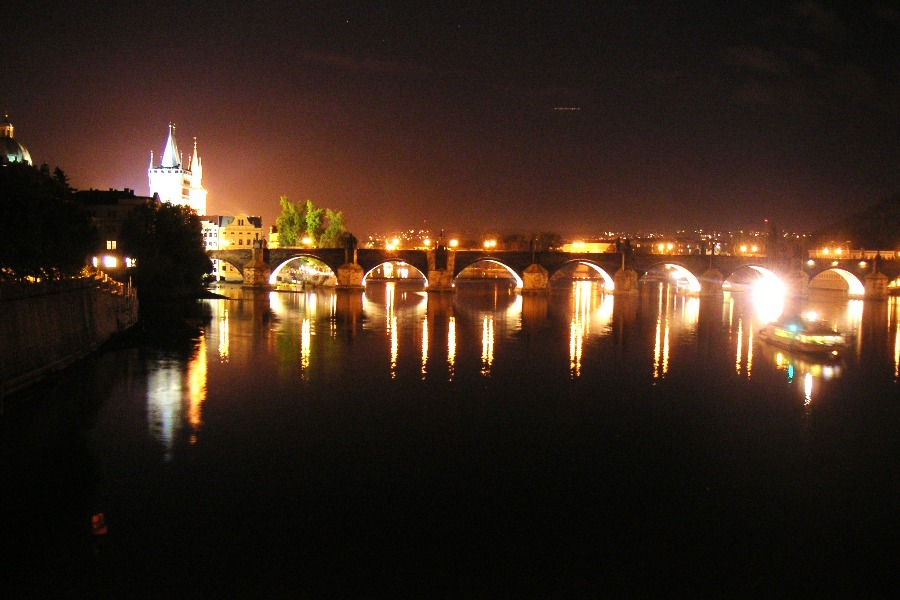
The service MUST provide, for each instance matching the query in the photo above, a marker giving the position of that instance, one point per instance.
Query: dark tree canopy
(166, 241)
(43, 234)
(874, 228)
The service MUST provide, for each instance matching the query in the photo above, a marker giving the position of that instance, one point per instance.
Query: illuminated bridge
(695, 274)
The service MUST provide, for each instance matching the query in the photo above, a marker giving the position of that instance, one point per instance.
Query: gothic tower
(173, 181)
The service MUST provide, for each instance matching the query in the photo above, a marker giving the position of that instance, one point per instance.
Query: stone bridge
(699, 274)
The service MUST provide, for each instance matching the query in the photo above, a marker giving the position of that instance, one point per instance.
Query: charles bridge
(702, 274)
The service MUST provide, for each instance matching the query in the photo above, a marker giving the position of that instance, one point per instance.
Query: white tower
(173, 182)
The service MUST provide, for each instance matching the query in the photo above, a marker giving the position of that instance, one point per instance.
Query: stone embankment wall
(48, 326)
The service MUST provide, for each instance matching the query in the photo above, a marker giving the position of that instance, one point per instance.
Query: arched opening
(488, 272)
(767, 289)
(396, 271)
(681, 279)
(838, 282)
(302, 272)
(581, 271)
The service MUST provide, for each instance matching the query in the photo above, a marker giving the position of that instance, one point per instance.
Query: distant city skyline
(644, 117)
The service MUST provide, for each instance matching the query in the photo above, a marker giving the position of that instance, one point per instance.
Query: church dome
(11, 150)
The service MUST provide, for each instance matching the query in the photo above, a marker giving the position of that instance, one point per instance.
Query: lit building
(11, 151)
(175, 183)
(109, 210)
(230, 232)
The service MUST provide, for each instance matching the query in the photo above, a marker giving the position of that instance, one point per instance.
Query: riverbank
(48, 326)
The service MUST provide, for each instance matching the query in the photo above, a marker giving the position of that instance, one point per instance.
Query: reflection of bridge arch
(855, 287)
(608, 283)
(512, 273)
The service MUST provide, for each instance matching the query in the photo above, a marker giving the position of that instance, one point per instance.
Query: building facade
(222, 232)
(175, 182)
(109, 210)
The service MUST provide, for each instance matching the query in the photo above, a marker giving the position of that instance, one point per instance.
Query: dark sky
(689, 114)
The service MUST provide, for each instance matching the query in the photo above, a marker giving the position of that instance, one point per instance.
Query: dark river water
(476, 444)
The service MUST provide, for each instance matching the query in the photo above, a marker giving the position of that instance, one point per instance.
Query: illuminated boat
(796, 335)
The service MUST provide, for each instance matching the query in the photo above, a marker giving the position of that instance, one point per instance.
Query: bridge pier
(257, 271)
(350, 277)
(796, 284)
(876, 286)
(535, 279)
(625, 282)
(440, 270)
(711, 283)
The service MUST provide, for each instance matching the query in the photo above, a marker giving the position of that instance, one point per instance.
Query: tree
(43, 233)
(334, 234)
(291, 223)
(166, 241)
(323, 226)
(314, 226)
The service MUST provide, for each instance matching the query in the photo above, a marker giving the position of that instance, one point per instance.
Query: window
(110, 244)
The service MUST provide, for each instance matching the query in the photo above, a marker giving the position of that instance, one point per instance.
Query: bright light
(306, 240)
(454, 243)
(490, 243)
(768, 297)
(426, 242)
(661, 247)
(825, 251)
(838, 251)
(862, 264)
(669, 246)
(754, 249)
(395, 242)
(224, 243)
(110, 261)
(810, 263)
(743, 248)
(811, 316)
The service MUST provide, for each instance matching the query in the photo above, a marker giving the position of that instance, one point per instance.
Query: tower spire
(171, 157)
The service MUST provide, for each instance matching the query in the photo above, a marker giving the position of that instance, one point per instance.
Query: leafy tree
(291, 223)
(334, 234)
(43, 233)
(166, 241)
(314, 226)
(324, 226)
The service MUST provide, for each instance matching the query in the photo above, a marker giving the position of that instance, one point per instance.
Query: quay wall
(48, 326)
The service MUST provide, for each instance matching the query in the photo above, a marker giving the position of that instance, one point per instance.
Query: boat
(809, 337)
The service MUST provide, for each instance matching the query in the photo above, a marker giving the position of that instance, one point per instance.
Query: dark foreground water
(476, 444)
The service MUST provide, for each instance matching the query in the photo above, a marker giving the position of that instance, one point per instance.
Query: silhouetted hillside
(875, 228)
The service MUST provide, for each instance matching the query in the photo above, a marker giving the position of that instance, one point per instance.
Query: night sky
(475, 117)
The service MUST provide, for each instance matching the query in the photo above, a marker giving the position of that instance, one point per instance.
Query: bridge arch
(278, 272)
(512, 272)
(397, 264)
(608, 283)
(683, 278)
(855, 287)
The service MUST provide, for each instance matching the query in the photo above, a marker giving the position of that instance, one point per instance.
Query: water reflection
(176, 391)
(418, 328)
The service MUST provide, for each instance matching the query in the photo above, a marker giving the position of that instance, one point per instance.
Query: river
(403, 444)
